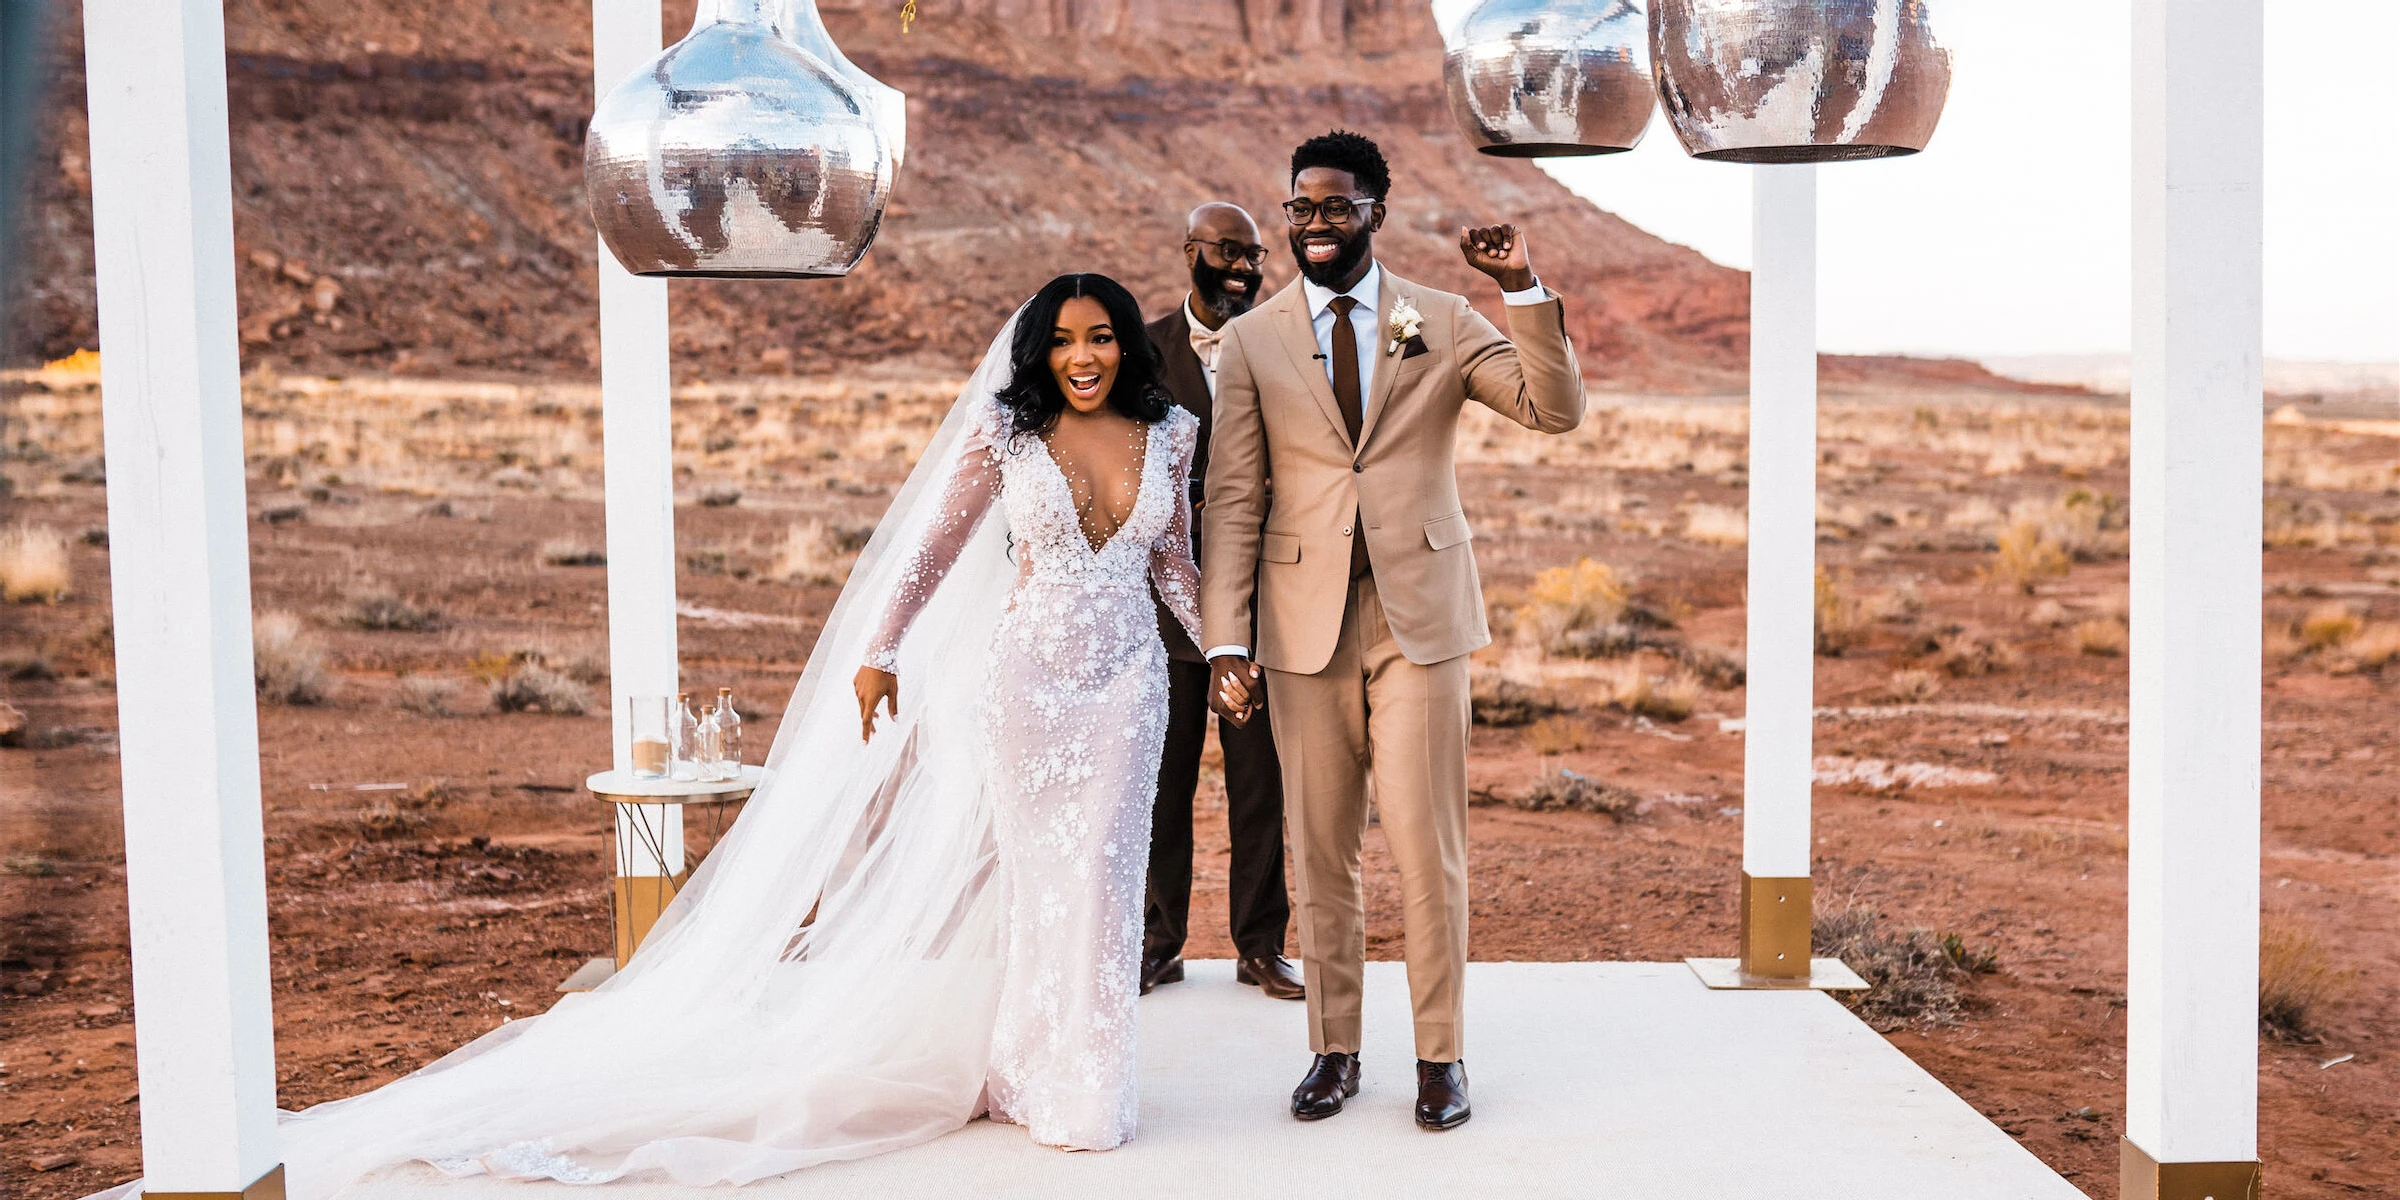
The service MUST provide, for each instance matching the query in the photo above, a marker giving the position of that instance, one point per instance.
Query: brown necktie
(1354, 411)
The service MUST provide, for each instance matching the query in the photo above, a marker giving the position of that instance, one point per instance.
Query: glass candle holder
(648, 715)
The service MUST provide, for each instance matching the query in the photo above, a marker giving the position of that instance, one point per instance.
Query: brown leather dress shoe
(1273, 974)
(1332, 1079)
(1442, 1095)
(1156, 971)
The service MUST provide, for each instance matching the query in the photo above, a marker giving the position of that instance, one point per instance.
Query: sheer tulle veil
(823, 988)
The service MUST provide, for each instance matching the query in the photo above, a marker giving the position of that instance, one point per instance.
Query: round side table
(652, 811)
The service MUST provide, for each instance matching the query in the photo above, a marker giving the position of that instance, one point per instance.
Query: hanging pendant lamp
(737, 154)
(799, 23)
(1529, 79)
(1793, 81)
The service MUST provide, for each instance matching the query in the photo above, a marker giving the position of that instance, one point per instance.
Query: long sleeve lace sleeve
(1172, 570)
(968, 495)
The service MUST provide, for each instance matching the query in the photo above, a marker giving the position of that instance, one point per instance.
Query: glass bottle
(687, 740)
(711, 753)
(651, 733)
(729, 726)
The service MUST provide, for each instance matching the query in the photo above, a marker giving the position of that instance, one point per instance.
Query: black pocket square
(1414, 347)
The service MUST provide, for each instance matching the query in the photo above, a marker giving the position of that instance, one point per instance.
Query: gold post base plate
(268, 1187)
(1824, 975)
(2140, 1177)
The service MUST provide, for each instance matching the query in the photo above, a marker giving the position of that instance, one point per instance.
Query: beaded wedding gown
(897, 935)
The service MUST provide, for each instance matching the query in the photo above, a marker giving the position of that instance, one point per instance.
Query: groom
(1358, 570)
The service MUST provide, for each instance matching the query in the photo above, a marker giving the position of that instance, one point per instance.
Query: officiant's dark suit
(1261, 908)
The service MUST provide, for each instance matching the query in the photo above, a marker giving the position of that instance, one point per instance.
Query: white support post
(179, 561)
(2191, 1063)
(638, 448)
(1781, 646)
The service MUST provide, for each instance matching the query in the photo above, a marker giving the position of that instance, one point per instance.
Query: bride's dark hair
(1032, 396)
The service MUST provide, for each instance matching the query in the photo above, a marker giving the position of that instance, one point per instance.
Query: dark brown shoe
(1274, 974)
(1332, 1079)
(1442, 1095)
(1156, 971)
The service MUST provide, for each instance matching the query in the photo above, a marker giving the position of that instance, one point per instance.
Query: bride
(936, 921)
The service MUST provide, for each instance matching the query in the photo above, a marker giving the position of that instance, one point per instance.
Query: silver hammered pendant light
(1793, 81)
(1536, 79)
(737, 154)
(799, 23)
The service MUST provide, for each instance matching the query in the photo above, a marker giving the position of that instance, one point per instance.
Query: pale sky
(2008, 235)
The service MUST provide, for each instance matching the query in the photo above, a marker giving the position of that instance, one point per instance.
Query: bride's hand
(874, 689)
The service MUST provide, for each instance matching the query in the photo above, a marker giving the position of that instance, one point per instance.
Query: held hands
(1498, 251)
(874, 688)
(1232, 688)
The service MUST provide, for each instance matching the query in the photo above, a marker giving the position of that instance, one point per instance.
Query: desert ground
(431, 655)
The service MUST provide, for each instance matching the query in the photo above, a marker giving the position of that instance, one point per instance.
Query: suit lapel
(1387, 360)
(1299, 337)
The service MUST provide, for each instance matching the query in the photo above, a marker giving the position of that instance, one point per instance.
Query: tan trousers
(1373, 722)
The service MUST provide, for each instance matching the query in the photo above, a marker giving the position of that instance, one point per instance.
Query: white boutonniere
(1406, 321)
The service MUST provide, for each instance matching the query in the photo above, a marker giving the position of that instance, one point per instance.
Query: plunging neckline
(1141, 491)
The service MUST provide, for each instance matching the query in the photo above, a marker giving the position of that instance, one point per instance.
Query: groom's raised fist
(1498, 251)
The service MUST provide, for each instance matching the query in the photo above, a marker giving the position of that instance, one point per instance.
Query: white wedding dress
(898, 935)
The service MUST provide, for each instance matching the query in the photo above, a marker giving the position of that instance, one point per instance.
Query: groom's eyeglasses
(1230, 252)
(1337, 209)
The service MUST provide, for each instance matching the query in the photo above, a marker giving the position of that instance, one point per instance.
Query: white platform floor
(1589, 1079)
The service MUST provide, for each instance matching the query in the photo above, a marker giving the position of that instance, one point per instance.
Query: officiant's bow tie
(1205, 342)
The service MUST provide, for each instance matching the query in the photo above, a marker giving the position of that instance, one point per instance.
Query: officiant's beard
(1356, 245)
(1208, 284)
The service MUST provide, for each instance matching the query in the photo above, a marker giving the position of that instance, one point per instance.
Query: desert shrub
(2296, 978)
(813, 553)
(382, 609)
(1841, 617)
(579, 662)
(2328, 626)
(1570, 791)
(428, 695)
(1502, 703)
(2376, 646)
(1967, 654)
(2089, 526)
(1553, 735)
(287, 660)
(34, 565)
(531, 687)
(1912, 686)
(567, 552)
(1715, 668)
(403, 816)
(2102, 636)
(1564, 601)
(1716, 525)
(721, 497)
(1913, 978)
(2027, 555)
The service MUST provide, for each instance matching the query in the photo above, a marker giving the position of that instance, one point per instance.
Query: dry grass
(381, 608)
(288, 661)
(1570, 600)
(1571, 791)
(2328, 626)
(428, 695)
(1842, 618)
(1502, 702)
(2104, 637)
(1716, 525)
(814, 553)
(1631, 688)
(1914, 975)
(1969, 654)
(2296, 979)
(2376, 646)
(568, 552)
(1553, 735)
(1912, 686)
(34, 565)
(2027, 555)
(532, 687)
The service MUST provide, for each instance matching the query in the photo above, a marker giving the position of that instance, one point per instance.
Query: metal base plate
(593, 973)
(1824, 975)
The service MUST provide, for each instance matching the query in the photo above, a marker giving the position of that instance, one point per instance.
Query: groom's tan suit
(1368, 652)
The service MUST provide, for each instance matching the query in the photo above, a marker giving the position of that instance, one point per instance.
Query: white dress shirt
(1205, 341)
(1368, 291)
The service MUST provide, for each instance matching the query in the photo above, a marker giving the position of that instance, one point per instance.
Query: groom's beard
(1208, 285)
(1330, 273)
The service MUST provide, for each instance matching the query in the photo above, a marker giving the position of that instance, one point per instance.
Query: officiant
(1222, 249)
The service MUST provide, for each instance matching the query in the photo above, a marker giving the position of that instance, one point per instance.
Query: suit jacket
(1186, 382)
(1275, 417)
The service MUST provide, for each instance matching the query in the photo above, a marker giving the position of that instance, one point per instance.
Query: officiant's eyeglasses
(1337, 209)
(1230, 252)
